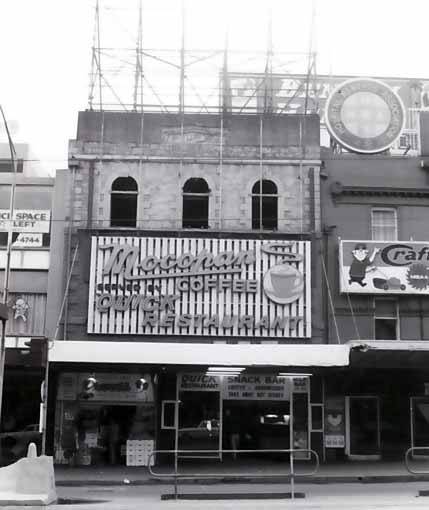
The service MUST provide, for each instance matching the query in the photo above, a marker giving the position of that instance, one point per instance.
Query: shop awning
(389, 354)
(157, 353)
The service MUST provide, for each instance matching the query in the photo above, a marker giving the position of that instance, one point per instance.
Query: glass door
(363, 427)
(420, 423)
(199, 422)
(300, 429)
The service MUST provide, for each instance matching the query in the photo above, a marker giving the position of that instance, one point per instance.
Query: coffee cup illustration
(283, 284)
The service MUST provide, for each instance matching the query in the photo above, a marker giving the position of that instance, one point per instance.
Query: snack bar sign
(202, 287)
(245, 386)
(373, 267)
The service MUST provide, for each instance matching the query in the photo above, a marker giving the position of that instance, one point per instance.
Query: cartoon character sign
(361, 264)
(21, 309)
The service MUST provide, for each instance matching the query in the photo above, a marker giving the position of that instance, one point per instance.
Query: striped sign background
(209, 302)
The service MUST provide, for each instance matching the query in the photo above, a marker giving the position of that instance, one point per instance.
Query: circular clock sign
(364, 115)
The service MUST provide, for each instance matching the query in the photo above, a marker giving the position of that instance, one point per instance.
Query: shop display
(139, 453)
(94, 431)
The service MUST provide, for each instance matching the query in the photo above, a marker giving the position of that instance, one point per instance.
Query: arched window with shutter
(196, 194)
(123, 202)
(264, 205)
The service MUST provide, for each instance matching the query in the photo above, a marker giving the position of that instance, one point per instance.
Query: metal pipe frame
(412, 450)
(204, 454)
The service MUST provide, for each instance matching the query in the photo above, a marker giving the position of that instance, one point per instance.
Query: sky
(46, 48)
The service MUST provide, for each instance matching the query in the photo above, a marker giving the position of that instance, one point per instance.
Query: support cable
(8, 257)
(353, 316)
(66, 291)
(349, 301)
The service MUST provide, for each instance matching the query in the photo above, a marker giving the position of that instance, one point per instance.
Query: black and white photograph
(214, 254)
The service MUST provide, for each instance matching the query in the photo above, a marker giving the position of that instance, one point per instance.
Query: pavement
(351, 485)
(259, 472)
(353, 496)
(132, 488)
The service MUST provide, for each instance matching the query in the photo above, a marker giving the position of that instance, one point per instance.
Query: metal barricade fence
(201, 454)
(411, 451)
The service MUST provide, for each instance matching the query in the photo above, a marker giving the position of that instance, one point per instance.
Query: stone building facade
(212, 195)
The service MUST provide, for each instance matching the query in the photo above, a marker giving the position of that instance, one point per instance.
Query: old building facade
(25, 209)
(191, 285)
(374, 216)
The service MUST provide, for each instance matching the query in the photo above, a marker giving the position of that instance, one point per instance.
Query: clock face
(364, 115)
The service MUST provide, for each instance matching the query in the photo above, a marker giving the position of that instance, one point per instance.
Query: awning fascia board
(389, 345)
(157, 353)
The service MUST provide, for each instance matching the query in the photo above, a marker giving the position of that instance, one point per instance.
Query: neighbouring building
(375, 210)
(188, 281)
(25, 335)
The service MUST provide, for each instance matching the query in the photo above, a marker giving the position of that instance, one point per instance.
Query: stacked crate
(138, 452)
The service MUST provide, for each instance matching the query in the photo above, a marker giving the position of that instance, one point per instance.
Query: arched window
(196, 203)
(264, 205)
(123, 202)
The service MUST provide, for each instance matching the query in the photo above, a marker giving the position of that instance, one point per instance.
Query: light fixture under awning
(233, 355)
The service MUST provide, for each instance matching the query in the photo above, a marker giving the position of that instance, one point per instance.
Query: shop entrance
(225, 413)
(104, 419)
(256, 425)
(420, 422)
(199, 422)
(99, 434)
(102, 430)
(363, 427)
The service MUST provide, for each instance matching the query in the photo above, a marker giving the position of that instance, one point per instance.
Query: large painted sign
(171, 286)
(291, 95)
(374, 267)
(364, 115)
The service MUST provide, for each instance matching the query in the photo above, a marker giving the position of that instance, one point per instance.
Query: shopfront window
(258, 425)
(104, 419)
(242, 412)
(199, 420)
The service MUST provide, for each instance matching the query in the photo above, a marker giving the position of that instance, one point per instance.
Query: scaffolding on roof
(134, 77)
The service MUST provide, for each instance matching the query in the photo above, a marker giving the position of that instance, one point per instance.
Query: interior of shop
(246, 424)
(99, 434)
(20, 415)
(256, 425)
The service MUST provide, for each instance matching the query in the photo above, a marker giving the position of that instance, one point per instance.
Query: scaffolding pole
(8, 258)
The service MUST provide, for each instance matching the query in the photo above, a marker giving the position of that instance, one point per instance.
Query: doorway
(363, 441)
(420, 423)
(259, 425)
(199, 422)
